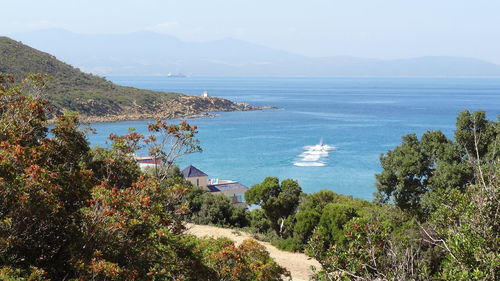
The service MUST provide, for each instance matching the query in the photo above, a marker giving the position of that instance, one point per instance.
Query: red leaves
(248, 261)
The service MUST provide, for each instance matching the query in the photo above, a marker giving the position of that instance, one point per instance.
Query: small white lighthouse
(205, 94)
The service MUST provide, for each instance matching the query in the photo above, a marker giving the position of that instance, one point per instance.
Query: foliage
(69, 212)
(311, 212)
(208, 208)
(445, 221)
(332, 221)
(277, 201)
(43, 183)
(117, 168)
(179, 139)
(258, 221)
(416, 167)
(248, 261)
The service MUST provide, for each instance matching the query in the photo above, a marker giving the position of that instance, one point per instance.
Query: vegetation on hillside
(71, 89)
(69, 212)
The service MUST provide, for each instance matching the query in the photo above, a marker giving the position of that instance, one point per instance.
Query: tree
(435, 162)
(258, 221)
(455, 239)
(277, 201)
(310, 211)
(405, 174)
(208, 208)
(169, 142)
(474, 133)
(43, 184)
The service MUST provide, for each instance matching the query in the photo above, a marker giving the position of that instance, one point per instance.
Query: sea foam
(314, 155)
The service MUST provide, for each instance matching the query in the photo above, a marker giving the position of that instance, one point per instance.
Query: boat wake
(314, 155)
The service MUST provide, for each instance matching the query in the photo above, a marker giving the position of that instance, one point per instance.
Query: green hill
(72, 89)
(97, 98)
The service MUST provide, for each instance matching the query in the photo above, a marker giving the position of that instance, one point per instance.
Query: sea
(357, 118)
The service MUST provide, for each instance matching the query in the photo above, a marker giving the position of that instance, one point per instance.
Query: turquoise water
(361, 117)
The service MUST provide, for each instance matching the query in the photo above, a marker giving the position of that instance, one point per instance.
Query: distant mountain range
(148, 53)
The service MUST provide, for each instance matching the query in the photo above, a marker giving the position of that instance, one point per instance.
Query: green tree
(216, 209)
(456, 239)
(277, 201)
(435, 162)
(258, 221)
(474, 133)
(310, 212)
(405, 174)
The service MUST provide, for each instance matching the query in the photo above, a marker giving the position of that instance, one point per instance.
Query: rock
(184, 106)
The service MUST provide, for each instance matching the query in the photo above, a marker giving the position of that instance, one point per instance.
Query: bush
(259, 221)
(249, 261)
(216, 209)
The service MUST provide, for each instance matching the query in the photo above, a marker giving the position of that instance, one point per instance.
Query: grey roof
(226, 187)
(191, 171)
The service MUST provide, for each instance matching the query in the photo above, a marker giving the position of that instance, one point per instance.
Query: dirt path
(298, 264)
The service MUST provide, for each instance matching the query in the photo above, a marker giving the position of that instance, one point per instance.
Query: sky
(385, 29)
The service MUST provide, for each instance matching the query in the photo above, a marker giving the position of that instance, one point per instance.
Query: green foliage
(307, 220)
(15, 274)
(208, 208)
(416, 167)
(474, 133)
(466, 225)
(332, 221)
(445, 222)
(277, 201)
(291, 244)
(405, 173)
(259, 221)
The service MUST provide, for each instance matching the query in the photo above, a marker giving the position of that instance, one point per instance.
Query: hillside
(97, 98)
(123, 54)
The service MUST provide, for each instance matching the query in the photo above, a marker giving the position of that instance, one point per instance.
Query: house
(233, 190)
(195, 176)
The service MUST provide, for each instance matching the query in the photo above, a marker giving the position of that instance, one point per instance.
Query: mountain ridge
(150, 53)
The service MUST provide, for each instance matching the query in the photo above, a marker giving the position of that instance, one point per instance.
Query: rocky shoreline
(184, 106)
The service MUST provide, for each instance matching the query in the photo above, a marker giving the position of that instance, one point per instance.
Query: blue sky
(363, 28)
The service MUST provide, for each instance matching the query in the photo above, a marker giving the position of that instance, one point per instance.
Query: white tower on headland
(205, 94)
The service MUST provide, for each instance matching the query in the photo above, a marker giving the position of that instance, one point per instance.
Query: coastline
(185, 106)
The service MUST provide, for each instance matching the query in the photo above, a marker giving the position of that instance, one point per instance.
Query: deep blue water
(362, 117)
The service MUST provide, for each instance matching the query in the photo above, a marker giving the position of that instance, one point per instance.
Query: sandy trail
(298, 264)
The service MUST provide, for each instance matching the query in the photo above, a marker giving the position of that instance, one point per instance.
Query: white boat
(321, 147)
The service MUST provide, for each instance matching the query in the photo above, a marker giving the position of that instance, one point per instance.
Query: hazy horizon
(15, 34)
(380, 29)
